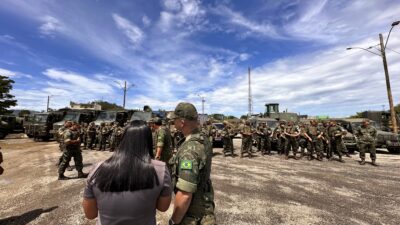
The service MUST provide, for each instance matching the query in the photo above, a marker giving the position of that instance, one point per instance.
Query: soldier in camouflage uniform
(84, 137)
(163, 139)
(292, 133)
(91, 135)
(60, 135)
(314, 135)
(72, 149)
(227, 139)
(366, 135)
(280, 137)
(326, 140)
(247, 139)
(335, 135)
(303, 141)
(265, 139)
(259, 135)
(194, 194)
(102, 134)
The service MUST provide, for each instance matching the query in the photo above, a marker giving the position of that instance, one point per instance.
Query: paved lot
(261, 190)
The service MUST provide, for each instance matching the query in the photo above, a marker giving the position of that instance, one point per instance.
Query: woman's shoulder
(157, 163)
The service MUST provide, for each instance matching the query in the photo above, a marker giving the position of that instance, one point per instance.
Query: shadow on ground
(26, 217)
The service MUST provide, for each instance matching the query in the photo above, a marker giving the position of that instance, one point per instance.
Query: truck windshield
(219, 126)
(272, 124)
(72, 117)
(356, 125)
(41, 118)
(107, 116)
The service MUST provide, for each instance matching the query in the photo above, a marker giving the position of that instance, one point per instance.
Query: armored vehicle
(272, 111)
(79, 116)
(120, 117)
(10, 124)
(385, 139)
(40, 124)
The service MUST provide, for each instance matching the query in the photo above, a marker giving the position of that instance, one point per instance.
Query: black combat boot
(362, 162)
(62, 177)
(82, 174)
(374, 162)
(348, 155)
(340, 159)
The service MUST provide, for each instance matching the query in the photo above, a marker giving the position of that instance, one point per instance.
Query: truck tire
(394, 150)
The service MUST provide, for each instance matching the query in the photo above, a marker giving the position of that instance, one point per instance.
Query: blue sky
(176, 50)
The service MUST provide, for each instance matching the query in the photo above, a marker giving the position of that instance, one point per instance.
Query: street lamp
(385, 67)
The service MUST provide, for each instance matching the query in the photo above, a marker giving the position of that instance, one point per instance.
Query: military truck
(79, 116)
(120, 117)
(385, 139)
(10, 124)
(141, 115)
(40, 124)
(272, 111)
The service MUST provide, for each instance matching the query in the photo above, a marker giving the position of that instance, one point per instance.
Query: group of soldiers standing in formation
(320, 139)
(72, 135)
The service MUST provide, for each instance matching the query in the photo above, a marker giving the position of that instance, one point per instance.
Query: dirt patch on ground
(261, 190)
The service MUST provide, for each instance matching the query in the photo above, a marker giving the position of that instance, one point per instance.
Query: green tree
(243, 117)
(6, 99)
(108, 106)
(24, 112)
(397, 108)
(358, 115)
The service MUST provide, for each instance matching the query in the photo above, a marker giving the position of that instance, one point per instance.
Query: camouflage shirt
(163, 140)
(70, 135)
(366, 134)
(191, 173)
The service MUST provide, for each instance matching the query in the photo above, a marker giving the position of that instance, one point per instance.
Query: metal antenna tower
(250, 97)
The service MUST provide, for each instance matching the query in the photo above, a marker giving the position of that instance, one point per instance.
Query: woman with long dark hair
(128, 187)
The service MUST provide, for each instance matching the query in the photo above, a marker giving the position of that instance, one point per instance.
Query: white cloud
(77, 81)
(7, 73)
(177, 78)
(50, 25)
(236, 19)
(132, 32)
(146, 21)
(244, 56)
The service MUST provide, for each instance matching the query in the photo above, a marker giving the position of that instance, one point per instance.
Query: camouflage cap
(184, 110)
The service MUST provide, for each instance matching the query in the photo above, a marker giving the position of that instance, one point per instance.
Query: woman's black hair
(129, 168)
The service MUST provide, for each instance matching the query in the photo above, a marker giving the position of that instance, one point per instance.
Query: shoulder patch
(186, 164)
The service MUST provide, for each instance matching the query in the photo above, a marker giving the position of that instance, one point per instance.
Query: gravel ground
(261, 190)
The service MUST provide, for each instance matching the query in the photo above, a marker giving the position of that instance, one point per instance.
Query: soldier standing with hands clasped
(72, 149)
(194, 194)
(366, 135)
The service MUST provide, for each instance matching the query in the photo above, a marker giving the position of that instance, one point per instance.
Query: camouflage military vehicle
(79, 116)
(120, 117)
(40, 124)
(385, 139)
(10, 124)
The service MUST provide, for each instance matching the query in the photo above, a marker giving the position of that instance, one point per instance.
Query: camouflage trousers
(246, 145)
(228, 147)
(291, 144)
(337, 145)
(102, 143)
(91, 140)
(303, 145)
(66, 158)
(281, 145)
(315, 146)
(265, 145)
(365, 147)
(205, 220)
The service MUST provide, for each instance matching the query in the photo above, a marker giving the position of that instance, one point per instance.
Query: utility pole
(202, 103)
(125, 88)
(389, 90)
(250, 97)
(48, 103)
(123, 105)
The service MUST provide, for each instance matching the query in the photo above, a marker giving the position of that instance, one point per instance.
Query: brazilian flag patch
(186, 164)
